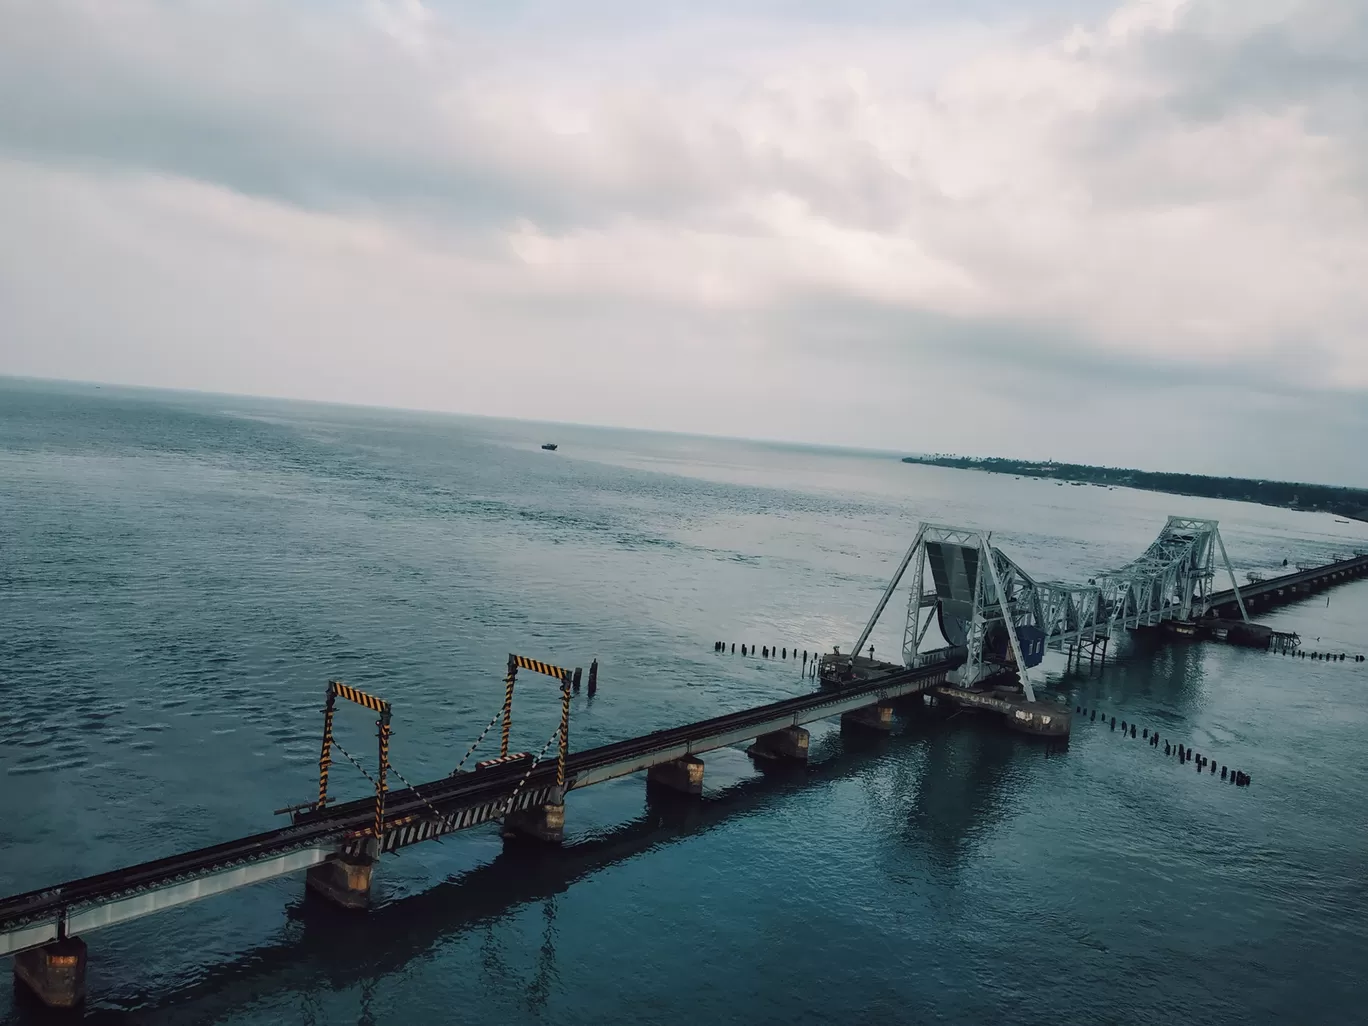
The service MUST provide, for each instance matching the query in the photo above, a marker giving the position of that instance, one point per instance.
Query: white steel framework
(1171, 580)
(986, 604)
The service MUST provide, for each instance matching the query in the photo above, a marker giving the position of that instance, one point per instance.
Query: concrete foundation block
(345, 880)
(790, 744)
(545, 823)
(910, 705)
(872, 717)
(54, 973)
(682, 775)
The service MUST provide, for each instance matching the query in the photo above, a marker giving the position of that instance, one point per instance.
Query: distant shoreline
(1349, 503)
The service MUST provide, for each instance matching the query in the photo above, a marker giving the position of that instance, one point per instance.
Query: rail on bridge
(337, 844)
(984, 602)
(1306, 580)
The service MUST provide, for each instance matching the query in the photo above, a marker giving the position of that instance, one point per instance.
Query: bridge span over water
(985, 602)
(995, 616)
(337, 845)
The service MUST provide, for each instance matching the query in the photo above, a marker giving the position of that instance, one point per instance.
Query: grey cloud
(1316, 60)
(314, 132)
(327, 113)
(1303, 58)
(330, 114)
(1005, 356)
(322, 112)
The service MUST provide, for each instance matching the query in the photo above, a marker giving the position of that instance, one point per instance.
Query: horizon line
(785, 442)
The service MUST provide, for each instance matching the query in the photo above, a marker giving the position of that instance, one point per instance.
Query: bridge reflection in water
(996, 615)
(343, 950)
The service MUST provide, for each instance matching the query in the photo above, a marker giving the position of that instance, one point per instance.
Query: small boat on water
(549, 446)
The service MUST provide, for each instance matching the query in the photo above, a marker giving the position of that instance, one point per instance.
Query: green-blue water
(180, 575)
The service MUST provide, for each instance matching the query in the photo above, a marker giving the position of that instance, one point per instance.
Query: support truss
(1001, 618)
(1172, 579)
(969, 594)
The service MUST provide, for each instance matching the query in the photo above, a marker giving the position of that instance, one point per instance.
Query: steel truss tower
(1002, 618)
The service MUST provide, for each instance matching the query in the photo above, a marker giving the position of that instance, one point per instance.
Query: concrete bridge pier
(787, 745)
(344, 880)
(914, 704)
(544, 823)
(682, 776)
(871, 718)
(54, 973)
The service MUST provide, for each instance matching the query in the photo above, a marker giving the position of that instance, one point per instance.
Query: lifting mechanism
(996, 615)
(336, 690)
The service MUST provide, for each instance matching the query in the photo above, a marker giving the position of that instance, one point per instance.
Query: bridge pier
(683, 776)
(872, 717)
(345, 880)
(54, 973)
(790, 744)
(914, 704)
(544, 823)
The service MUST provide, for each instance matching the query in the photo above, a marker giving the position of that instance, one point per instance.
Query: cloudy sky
(1132, 233)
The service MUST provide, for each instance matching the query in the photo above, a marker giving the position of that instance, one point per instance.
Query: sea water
(180, 575)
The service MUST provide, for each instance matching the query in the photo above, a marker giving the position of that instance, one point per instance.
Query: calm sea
(181, 574)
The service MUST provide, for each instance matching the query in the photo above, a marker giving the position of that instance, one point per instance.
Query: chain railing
(508, 806)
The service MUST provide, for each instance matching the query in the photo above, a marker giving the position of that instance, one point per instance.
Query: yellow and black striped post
(336, 690)
(351, 694)
(560, 673)
(384, 724)
(537, 666)
(509, 681)
(325, 757)
(564, 732)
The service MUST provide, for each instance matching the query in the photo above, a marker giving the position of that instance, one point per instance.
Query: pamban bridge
(994, 620)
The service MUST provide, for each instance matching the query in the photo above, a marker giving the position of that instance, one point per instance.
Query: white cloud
(394, 203)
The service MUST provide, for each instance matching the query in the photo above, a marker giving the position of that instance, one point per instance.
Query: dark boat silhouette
(549, 446)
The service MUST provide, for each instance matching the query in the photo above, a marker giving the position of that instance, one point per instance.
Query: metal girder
(977, 588)
(971, 580)
(423, 826)
(1005, 608)
(1171, 580)
(442, 806)
(831, 704)
(122, 908)
(888, 592)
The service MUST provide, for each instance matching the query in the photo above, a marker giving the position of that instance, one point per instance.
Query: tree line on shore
(1344, 502)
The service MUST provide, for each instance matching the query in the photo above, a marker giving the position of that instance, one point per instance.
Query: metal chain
(417, 794)
(393, 769)
(518, 790)
(511, 798)
(354, 762)
(497, 716)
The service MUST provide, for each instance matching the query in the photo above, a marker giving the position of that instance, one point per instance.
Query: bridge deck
(38, 917)
(1356, 566)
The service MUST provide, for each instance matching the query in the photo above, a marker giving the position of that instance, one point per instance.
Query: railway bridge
(982, 600)
(992, 613)
(1292, 587)
(338, 845)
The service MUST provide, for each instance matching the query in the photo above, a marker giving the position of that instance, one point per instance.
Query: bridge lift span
(985, 604)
